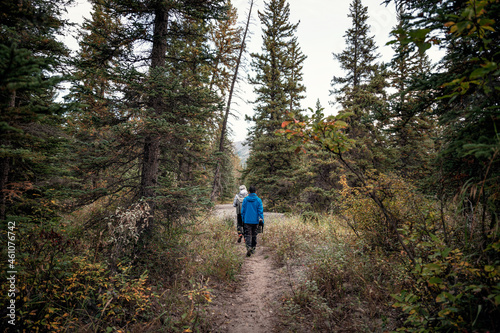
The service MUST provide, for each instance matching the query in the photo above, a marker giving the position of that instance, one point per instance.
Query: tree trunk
(217, 186)
(151, 150)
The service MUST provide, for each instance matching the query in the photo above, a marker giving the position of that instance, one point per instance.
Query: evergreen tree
(321, 179)
(412, 128)
(104, 153)
(463, 94)
(152, 136)
(357, 60)
(230, 47)
(293, 73)
(226, 37)
(273, 164)
(361, 92)
(31, 60)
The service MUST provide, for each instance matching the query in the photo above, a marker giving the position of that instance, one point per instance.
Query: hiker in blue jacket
(252, 212)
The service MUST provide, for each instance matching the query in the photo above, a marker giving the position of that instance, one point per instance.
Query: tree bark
(151, 149)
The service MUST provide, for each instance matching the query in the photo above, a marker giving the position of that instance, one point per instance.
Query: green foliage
(69, 284)
(215, 251)
(292, 238)
(407, 118)
(63, 290)
(32, 142)
(462, 87)
(450, 290)
(307, 307)
(310, 217)
(135, 115)
(199, 296)
(278, 88)
(358, 57)
(327, 131)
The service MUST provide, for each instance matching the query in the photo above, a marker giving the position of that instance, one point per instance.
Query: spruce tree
(463, 93)
(273, 164)
(31, 63)
(361, 91)
(157, 110)
(412, 126)
(321, 179)
(104, 153)
(357, 61)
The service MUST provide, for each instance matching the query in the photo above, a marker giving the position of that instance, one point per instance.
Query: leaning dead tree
(217, 186)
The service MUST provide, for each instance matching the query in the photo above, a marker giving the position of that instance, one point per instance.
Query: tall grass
(334, 285)
(74, 279)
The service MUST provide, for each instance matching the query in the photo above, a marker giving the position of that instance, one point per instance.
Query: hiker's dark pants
(239, 224)
(251, 235)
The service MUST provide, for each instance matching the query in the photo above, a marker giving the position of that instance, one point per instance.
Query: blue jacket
(252, 210)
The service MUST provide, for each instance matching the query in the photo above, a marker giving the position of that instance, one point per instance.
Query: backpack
(240, 201)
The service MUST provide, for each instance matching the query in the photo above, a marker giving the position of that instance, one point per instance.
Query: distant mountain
(242, 152)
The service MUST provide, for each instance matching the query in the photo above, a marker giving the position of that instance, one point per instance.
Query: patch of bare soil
(251, 304)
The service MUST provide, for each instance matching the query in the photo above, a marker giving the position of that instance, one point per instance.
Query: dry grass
(334, 285)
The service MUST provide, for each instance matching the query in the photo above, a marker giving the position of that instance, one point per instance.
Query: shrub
(62, 288)
(451, 291)
(400, 200)
(334, 284)
(124, 229)
(214, 250)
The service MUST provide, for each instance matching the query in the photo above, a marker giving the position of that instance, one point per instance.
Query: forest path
(251, 304)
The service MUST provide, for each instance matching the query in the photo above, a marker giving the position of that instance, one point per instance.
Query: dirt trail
(249, 306)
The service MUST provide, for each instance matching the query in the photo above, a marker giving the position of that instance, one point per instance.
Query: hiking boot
(239, 239)
(249, 252)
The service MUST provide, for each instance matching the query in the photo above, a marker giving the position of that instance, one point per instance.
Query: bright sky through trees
(320, 32)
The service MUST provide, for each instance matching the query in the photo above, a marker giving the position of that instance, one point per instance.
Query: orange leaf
(285, 123)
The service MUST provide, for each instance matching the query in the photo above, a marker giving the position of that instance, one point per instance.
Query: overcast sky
(323, 24)
(321, 31)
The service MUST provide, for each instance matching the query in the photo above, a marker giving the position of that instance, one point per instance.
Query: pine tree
(272, 164)
(31, 60)
(157, 112)
(357, 60)
(361, 92)
(412, 128)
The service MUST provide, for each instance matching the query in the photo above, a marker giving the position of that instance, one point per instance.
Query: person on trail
(252, 213)
(238, 200)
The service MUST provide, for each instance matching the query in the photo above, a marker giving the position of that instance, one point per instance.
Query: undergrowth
(75, 278)
(341, 275)
(334, 284)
